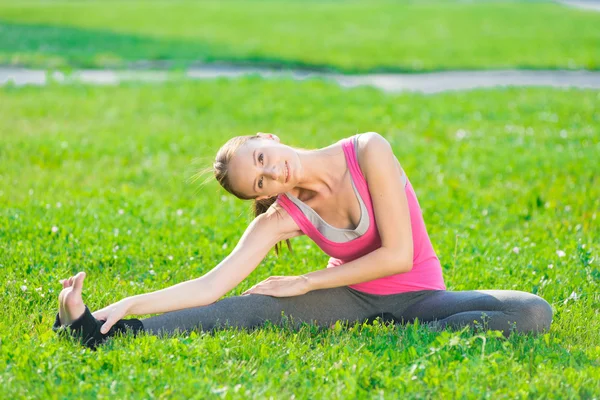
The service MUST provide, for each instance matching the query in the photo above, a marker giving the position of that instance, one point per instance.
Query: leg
(319, 307)
(504, 310)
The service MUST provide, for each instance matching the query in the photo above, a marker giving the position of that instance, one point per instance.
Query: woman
(355, 201)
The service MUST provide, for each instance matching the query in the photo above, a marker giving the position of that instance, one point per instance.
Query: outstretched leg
(504, 310)
(319, 307)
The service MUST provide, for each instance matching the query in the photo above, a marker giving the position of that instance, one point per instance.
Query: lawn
(508, 181)
(349, 36)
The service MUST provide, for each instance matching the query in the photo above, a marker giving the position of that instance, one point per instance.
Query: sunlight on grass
(95, 179)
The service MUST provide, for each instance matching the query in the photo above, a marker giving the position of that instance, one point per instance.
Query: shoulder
(372, 143)
(278, 222)
(371, 149)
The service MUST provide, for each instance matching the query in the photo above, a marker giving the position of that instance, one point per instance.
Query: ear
(268, 136)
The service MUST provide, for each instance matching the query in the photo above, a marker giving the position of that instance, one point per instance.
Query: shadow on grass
(61, 46)
(54, 46)
(87, 47)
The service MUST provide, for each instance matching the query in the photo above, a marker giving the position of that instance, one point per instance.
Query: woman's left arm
(384, 176)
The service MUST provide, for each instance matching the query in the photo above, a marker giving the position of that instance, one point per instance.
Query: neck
(322, 171)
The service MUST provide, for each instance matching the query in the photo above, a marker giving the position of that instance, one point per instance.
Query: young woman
(355, 202)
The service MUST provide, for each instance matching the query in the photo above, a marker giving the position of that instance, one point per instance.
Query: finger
(263, 291)
(255, 289)
(78, 283)
(107, 325)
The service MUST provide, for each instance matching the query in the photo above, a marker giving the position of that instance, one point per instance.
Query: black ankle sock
(87, 328)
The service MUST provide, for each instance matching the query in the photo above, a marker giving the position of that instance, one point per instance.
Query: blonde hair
(220, 169)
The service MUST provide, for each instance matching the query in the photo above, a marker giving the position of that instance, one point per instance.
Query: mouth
(287, 172)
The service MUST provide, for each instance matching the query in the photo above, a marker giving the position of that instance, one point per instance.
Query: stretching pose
(354, 200)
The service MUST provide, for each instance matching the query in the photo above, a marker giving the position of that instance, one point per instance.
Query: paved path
(593, 5)
(426, 83)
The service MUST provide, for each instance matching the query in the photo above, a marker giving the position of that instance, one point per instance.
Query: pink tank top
(426, 273)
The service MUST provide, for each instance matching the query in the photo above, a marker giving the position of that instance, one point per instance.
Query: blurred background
(348, 36)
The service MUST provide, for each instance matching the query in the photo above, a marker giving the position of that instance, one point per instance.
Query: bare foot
(70, 302)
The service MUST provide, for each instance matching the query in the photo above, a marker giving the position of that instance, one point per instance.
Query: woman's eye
(260, 158)
(260, 183)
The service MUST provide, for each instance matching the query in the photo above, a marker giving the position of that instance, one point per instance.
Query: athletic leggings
(504, 310)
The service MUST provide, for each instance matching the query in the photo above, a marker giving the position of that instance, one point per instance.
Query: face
(259, 168)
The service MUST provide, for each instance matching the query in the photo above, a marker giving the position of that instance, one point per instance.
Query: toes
(78, 282)
(70, 282)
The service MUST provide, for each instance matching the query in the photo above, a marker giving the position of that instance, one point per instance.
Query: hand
(281, 286)
(112, 314)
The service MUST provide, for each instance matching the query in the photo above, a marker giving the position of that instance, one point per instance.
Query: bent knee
(536, 315)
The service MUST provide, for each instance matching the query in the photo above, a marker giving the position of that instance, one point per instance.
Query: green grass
(351, 36)
(493, 169)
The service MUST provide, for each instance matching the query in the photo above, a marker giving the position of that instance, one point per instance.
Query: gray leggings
(504, 310)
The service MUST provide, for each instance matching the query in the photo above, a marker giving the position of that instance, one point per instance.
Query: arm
(384, 176)
(261, 235)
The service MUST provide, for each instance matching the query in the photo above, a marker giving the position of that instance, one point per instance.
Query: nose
(274, 173)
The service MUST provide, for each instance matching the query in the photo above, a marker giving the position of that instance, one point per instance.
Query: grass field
(509, 185)
(351, 36)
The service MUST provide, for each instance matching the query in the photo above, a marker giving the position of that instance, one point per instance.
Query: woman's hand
(113, 313)
(281, 286)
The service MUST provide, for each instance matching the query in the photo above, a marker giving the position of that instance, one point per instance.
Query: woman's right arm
(262, 234)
